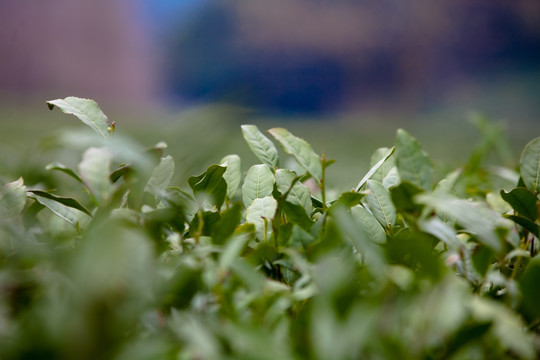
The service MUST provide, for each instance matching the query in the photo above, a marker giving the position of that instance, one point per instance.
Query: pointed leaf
(380, 204)
(261, 146)
(531, 227)
(94, 170)
(12, 198)
(208, 180)
(233, 174)
(61, 167)
(259, 182)
(371, 226)
(412, 161)
(69, 202)
(529, 165)
(86, 110)
(299, 194)
(258, 211)
(375, 168)
(300, 150)
(161, 177)
(523, 201)
(69, 214)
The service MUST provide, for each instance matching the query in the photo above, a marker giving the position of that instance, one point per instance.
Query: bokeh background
(342, 74)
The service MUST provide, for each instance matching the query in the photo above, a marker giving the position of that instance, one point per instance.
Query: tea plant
(266, 264)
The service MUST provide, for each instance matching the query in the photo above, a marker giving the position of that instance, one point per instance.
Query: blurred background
(356, 70)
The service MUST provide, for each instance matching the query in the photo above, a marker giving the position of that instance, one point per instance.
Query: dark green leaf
(403, 194)
(69, 202)
(61, 167)
(296, 214)
(523, 201)
(531, 227)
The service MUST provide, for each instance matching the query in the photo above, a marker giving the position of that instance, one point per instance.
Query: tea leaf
(94, 169)
(261, 146)
(69, 202)
(68, 213)
(61, 167)
(233, 174)
(529, 165)
(300, 150)
(523, 201)
(412, 161)
(260, 213)
(161, 177)
(380, 203)
(12, 198)
(259, 182)
(371, 226)
(86, 110)
(375, 168)
(299, 194)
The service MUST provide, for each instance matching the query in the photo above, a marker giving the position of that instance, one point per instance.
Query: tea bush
(115, 261)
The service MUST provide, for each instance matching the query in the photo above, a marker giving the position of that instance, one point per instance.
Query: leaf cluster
(266, 263)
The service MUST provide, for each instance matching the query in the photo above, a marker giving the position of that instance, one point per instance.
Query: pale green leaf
(86, 110)
(161, 177)
(232, 250)
(259, 182)
(412, 161)
(378, 165)
(475, 217)
(529, 165)
(12, 198)
(260, 213)
(371, 226)
(233, 174)
(300, 150)
(299, 194)
(380, 204)
(94, 170)
(261, 146)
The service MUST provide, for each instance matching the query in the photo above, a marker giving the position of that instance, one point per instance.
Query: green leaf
(296, 214)
(233, 174)
(94, 170)
(529, 286)
(208, 180)
(350, 198)
(371, 226)
(232, 250)
(300, 150)
(12, 198)
(375, 168)
(529, 165)
(475, 217)
(403, 194)
(299, 194)
(380, 204)
(230, 219)
(531, 227)
(61, 167)
(387, 174)
(259, 182)
(212, 183)
(69, 202)
(86, 110)
(441, 231)
(161, 177)
(261, 212)
(261, 146)
(523, 201)
(412, 161)
(70, 214)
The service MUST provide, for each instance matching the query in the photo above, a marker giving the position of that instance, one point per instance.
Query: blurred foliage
(267, 263)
